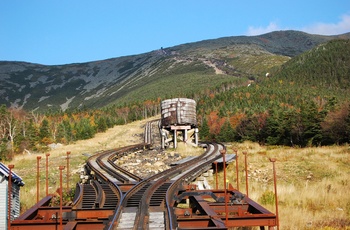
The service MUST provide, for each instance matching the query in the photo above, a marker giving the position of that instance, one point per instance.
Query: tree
(227, 133)
(204, 130)
(83, 129)
(101, 124)
(11, 123)
(336, 126)
(44, 131)
(65, 132)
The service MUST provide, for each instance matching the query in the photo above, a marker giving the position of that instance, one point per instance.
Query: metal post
(175, 140)
(223, 152)
(163, 138)
(246, 172)
(216, 175)
(273, 160)
(237, 171)
(37, 178)
(61, 168)
(68, 153)
(9, 197)
(47, 173)
(196, 136)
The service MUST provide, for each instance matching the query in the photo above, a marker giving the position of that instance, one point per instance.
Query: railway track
(114, 198)
(144, 205)
(105, 189)
(145, 202)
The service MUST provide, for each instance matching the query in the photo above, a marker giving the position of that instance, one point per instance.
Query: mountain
(168, 72)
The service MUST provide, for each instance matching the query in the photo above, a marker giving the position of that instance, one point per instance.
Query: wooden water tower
(178, 117)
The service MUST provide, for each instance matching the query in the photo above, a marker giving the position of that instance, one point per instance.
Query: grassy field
(313, 183)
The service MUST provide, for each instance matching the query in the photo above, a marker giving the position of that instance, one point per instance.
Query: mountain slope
(304, 102)
(326, 66)
(170, 72)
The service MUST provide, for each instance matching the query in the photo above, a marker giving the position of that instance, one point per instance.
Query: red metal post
(216, 175)
(246, 172)
(237, 171)
(9, 197)
(37, 178)
(223, 152)
(68, 153)
(61, 168)
(273, 160)
(47, 173)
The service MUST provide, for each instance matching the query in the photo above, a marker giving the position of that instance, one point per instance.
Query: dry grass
(186, 150)
(25, 165)
(313, 183)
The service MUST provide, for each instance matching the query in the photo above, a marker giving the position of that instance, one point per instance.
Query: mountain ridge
(160, 73)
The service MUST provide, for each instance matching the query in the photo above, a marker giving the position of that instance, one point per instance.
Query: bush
(267, 197)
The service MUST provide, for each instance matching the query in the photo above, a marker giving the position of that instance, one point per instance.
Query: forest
(304, 102)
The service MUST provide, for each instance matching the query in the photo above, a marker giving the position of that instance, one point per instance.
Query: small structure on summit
(178, 114)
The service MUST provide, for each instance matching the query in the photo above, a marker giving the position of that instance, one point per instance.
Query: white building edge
(17, 182)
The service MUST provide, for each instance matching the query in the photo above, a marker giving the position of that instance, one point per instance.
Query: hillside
(326, 66)
(168, 72)
(303, 102)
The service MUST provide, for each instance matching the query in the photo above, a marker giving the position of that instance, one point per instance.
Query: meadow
(312, 183)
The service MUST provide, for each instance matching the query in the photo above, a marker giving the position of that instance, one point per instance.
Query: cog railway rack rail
(114, 198)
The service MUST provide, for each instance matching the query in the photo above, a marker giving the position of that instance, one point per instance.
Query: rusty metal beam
(32, 212)
(205, 207)
(206, 215)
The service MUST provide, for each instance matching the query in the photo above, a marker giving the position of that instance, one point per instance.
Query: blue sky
(71, 31)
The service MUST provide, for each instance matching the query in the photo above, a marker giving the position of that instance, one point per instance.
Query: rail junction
(113, 198)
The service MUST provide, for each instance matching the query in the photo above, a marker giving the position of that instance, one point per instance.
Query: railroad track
(144, 206)
(117, 199)
(104, 190)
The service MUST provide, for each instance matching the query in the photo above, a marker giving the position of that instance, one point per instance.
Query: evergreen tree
(204, 130)
(64, 133)
(84, 130)
(44, 131)
(227, 133)
(101, 124)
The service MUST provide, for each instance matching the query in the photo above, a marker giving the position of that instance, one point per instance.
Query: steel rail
(213, 151)
(107, 172)
(164, 176)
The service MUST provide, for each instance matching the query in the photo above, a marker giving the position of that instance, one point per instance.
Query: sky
(54, 32)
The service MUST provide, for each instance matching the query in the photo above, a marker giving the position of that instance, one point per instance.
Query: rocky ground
(149, 162)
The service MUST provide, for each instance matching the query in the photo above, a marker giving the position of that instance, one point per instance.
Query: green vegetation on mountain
(302, 101)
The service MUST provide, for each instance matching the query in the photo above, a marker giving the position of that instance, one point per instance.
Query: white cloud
(341, 27)
(262, 30)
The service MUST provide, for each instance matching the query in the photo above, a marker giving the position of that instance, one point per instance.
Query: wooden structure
(178, 114)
